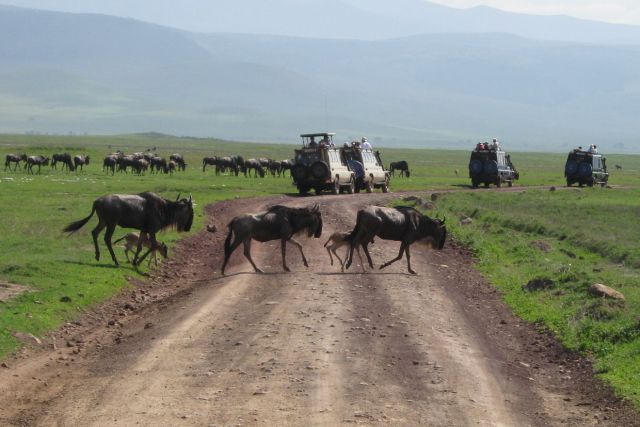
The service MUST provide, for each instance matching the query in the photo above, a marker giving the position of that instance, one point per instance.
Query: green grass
(591, 234)
(575, 238)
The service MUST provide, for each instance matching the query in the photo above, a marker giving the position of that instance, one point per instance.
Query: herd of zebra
(74, 163)
(235, 165)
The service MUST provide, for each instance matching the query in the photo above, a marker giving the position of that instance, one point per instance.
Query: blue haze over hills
(417, 75)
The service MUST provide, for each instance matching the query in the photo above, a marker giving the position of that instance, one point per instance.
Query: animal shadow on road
(371, 272)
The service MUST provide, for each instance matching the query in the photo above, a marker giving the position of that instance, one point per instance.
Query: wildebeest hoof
(259, 271)
(287, 269)
(412, 272)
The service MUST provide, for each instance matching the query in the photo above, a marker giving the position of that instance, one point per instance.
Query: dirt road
(312, 347)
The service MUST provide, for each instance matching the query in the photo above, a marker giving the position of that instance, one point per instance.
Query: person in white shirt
(366, 144)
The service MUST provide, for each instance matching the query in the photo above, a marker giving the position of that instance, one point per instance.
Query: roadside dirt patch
(9, 290)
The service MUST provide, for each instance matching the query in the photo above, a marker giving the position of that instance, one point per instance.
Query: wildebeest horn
(178, 198)
(444, 219)
(190, 198)
(316, 208)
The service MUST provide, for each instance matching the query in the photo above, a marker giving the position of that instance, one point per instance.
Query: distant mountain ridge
(99, 74)
(350, 19)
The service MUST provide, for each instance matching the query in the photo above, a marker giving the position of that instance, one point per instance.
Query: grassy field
(574, 238)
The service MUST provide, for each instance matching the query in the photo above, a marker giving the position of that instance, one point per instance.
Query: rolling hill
(99, 74)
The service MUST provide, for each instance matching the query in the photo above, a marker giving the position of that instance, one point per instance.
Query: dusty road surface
(311, 347)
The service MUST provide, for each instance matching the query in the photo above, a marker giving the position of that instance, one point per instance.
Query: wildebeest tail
(77, 225)
(120, 239)
(227, 241)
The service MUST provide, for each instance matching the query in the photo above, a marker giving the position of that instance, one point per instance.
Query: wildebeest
(402, 223)
(139, 166)
(36, 160)
(158, 164)
(147, 212)
(285, 165)
(254, 164)
(79, 160)
(109, 163)
(182, 165)
(402, 166)
(14, 158)
(618, 167)
(278, 222)
(275, 167)
(209, 161)
(65, 159)
(132, 240)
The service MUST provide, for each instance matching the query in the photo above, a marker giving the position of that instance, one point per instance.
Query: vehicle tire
(352, 186)
(569, 182)
(571, 168)
(385, 186)
(299, 172)
(510, 183)
(318, 190)
(474, 183)
(486, 185)
(319, 170)
(499, 182)
(303, 191)
(335, 190)
(585, 169)
(368, 186)
(490, 167)
(475, 167)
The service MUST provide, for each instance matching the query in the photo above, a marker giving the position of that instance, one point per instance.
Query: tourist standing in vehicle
(366, 144)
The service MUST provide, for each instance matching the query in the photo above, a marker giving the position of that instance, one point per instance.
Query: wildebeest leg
(228, 250)
(330, 256)
(95, 233)
(304, 259)
(403, 246)
(409, 260)
(126, 253)
(364, 270)
(107, 240)
(365, 246)
(283, 250)
(247, 254)
(339, 259)
(154, 246)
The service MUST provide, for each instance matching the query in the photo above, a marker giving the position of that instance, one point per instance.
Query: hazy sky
(619, 11)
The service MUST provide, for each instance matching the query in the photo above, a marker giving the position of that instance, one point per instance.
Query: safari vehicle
(586, 168)
(321, 166)
(489, 164)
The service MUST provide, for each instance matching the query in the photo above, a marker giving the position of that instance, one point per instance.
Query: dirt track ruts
(312, 347)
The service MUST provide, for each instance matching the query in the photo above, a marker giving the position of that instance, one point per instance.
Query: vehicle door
(338, 166)
(372, 167)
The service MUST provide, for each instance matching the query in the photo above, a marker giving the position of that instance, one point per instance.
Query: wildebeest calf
(133, 240)
(338, 240)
